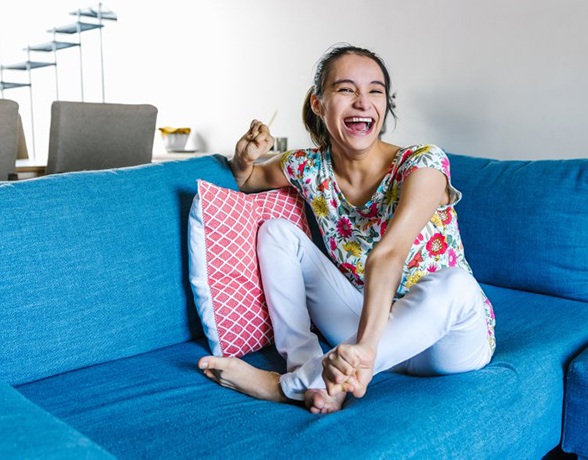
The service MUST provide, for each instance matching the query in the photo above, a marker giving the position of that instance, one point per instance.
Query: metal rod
(101, 50)
(55, 60)
(31, 100)
(79, 28)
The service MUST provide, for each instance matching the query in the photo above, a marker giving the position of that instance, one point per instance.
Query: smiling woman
(378, 206)
(377, 89)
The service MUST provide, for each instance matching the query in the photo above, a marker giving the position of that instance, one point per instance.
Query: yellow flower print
(414, 278)
(353, 248)
(359, 268)
(436, 220)
(421, 150)
(319, 206)
(391, 195)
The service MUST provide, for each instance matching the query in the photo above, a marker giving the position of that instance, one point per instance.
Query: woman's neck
(359, 174)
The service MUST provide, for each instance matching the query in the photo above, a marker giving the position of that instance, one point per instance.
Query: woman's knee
(449, 294)
(276, 230)
(455, 282)
(277, 234)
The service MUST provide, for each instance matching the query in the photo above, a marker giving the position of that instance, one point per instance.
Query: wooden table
(28, 169)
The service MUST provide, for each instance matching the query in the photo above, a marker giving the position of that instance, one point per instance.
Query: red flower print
(407, 153)
(437, 245)
(371, 212)
(333, 244)
(344, 227)
(347, 268)
(445, 166)
(487, 302)
(383, 227)
(445, 216)
(301, 167)
(416, 260)
(324, 185)
(452, 258)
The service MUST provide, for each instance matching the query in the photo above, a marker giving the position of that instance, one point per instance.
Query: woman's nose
(361, 100)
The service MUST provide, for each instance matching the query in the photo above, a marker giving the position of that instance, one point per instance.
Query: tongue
(358, 126)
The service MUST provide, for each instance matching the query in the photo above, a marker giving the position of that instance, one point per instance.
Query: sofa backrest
(524, 224)
(93, 265)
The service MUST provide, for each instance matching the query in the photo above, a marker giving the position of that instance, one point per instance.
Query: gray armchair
(90, 136)
(9, 136)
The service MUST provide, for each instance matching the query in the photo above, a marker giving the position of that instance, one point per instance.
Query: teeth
(359, 120)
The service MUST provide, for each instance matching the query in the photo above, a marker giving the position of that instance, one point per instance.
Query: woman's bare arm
(350, 367)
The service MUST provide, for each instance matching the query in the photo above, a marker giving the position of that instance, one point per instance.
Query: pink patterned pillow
(224, 271)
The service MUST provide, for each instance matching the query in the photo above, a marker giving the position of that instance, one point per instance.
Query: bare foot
(238, 375)
(318, 401)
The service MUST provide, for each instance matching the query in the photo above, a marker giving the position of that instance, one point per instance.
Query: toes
(214, 362)
(204, 363)
(319, 402)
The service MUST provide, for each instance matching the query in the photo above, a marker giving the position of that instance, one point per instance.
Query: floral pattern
(350, 232)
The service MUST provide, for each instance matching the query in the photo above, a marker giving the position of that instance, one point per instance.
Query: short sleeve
(300, 167)
(428, 156)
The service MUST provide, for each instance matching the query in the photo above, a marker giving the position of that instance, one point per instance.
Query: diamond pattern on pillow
(224, 271)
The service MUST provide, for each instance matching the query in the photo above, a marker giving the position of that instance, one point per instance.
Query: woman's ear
(316, 105)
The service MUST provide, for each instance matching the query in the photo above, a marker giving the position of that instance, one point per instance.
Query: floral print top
(350, 232)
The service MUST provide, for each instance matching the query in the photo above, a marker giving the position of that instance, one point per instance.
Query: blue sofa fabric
(33, 433)
(102, 337)
(575, 438)
(524, 223)
(98, 265)
(512, 407)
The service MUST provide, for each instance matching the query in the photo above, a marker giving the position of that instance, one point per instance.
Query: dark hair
(312, 122)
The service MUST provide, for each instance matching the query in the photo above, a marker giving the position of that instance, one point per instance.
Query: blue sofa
(100, 338)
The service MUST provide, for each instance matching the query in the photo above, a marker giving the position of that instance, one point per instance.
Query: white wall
(500, 78)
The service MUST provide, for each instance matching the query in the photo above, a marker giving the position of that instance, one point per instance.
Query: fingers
(340, 369)
(259, 134)
(359, 389)
(255, 142)
(342, 361)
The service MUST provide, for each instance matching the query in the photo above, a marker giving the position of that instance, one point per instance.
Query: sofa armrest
(27, 431)
(576, 407)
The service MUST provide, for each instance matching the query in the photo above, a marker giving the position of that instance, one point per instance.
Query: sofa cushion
(30, 432)
(160, 405)
(224, 272)
(575, 439)
(533, 233)
(93, 265)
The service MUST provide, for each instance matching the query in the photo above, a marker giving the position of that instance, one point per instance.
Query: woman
(400, 294)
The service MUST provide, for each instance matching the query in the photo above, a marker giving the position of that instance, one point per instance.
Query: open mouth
(359, 125)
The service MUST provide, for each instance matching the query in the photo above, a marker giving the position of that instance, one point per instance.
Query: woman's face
(353, 104)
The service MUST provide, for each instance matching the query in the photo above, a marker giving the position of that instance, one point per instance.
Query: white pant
(437, 328)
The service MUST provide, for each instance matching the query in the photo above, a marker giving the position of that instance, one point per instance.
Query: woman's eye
(345, 90)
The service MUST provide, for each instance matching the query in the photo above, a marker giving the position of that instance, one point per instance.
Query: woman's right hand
(348, 368)
(255, 142)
